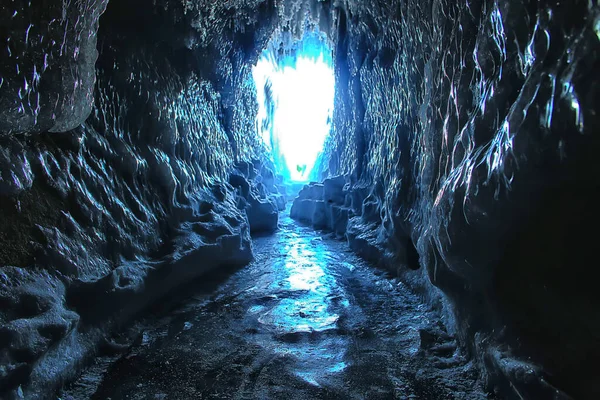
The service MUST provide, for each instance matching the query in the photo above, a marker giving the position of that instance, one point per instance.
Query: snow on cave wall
(463, 156)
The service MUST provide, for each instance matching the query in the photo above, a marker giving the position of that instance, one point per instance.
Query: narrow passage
(306, 320)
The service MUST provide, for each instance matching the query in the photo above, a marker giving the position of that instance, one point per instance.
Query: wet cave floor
(306, 320)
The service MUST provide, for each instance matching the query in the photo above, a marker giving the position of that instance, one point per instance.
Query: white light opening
(295, 124)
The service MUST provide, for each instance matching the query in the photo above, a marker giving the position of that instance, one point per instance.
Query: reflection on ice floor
(304, 305)
(307, 319)
(308, 308)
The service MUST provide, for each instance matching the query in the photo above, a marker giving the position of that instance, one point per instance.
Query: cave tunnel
(420, 224)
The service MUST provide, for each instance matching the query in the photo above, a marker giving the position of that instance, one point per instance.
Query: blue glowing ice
(302, 93)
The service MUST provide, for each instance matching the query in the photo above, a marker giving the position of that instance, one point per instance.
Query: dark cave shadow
(263, 234)
(203, 285)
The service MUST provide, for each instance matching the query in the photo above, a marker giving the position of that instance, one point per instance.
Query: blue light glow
(300, 113)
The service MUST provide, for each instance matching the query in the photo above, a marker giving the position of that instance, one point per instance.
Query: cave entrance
(295, 90)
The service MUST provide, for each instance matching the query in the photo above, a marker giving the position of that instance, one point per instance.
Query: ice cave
(299, 199)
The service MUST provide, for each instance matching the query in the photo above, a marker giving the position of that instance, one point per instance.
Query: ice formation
(462, 155)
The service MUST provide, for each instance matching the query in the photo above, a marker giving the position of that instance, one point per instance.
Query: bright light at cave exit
(303, 96)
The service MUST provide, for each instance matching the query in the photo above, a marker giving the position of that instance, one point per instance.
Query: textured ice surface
(47, 57)
(306, 320)
(469, 129)
(101, 220)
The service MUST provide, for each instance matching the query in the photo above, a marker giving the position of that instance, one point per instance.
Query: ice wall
(47, 61)
(114, 193)
(465, 135)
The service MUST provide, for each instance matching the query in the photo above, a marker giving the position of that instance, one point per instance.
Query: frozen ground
(306, 320)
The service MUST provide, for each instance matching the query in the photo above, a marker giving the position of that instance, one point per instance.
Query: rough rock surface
(468, 130)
